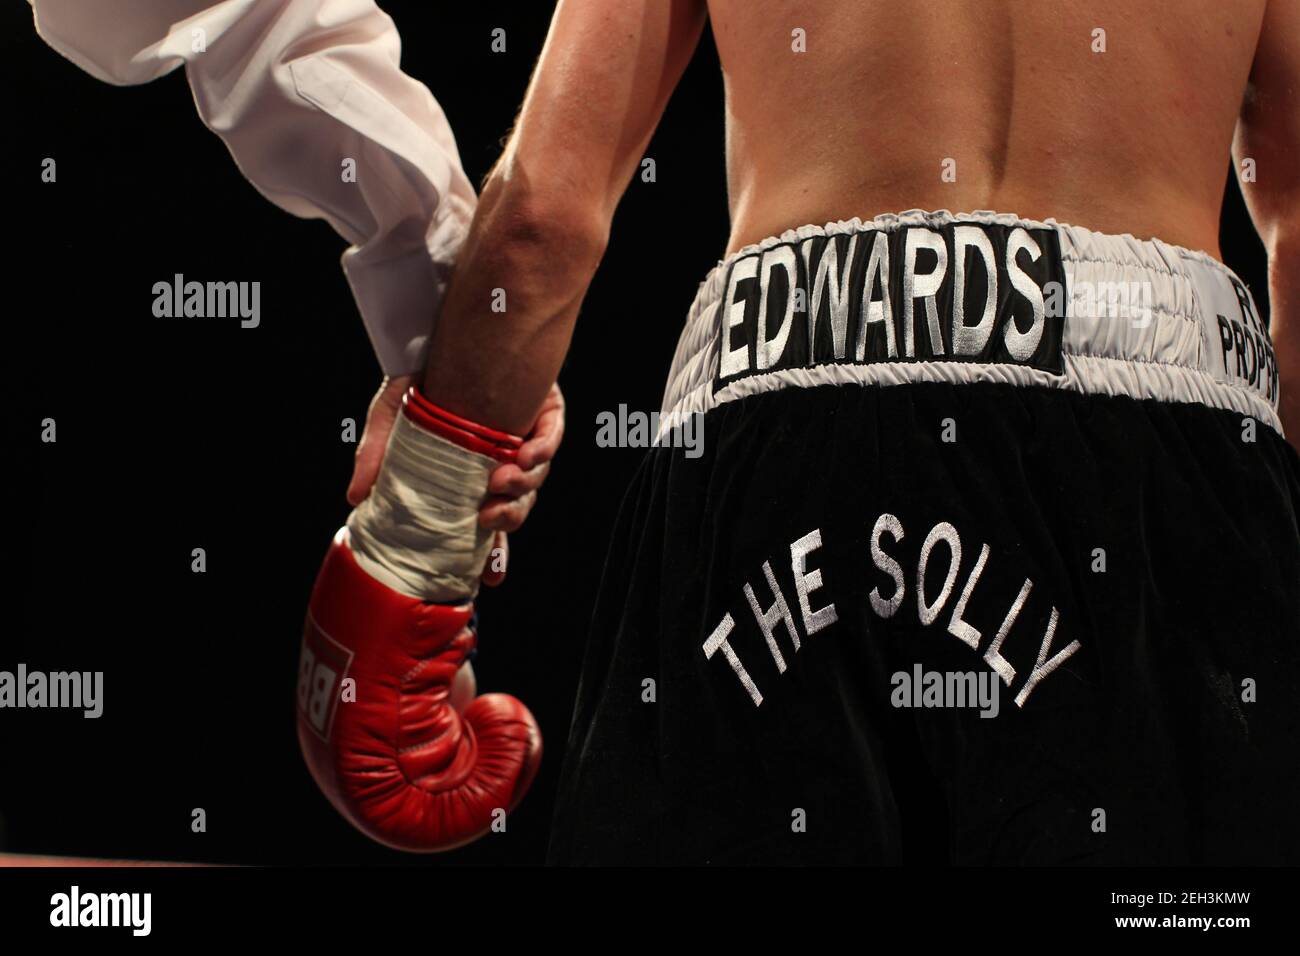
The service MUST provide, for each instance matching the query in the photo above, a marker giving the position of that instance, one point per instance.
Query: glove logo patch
(322, 666)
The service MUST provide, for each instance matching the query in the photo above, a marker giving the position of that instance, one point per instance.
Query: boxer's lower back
(1121, 131)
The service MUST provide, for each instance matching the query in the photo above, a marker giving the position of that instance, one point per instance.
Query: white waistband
(1192, 333)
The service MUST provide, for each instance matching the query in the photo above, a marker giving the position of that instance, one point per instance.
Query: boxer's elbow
(1282, 243)
(570, 242)
(547, 228)
(1282, 240)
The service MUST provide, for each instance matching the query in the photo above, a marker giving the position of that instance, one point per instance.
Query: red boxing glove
(390, 752)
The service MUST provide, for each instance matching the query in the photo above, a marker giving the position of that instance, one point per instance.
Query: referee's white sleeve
(303, 92)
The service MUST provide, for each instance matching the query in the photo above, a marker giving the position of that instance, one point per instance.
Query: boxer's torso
(1017, 94)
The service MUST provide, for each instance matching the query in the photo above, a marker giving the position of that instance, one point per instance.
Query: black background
(176, 434)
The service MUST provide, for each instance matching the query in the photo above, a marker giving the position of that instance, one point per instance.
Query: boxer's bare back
(1112, 114)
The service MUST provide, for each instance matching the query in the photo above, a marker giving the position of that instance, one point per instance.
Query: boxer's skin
(1135, 139)
(1268, 131)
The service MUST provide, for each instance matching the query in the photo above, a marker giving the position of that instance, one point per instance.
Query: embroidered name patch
(960, 292)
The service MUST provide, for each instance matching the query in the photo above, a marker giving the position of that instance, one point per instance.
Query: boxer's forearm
(601, 84)
(511, 308)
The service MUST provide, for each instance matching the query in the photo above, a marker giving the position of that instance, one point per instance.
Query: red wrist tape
(467, 434)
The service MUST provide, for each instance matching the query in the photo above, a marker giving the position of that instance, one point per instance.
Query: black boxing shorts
(967, 539)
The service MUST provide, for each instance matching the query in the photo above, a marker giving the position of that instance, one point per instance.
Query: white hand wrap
(418, 531)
